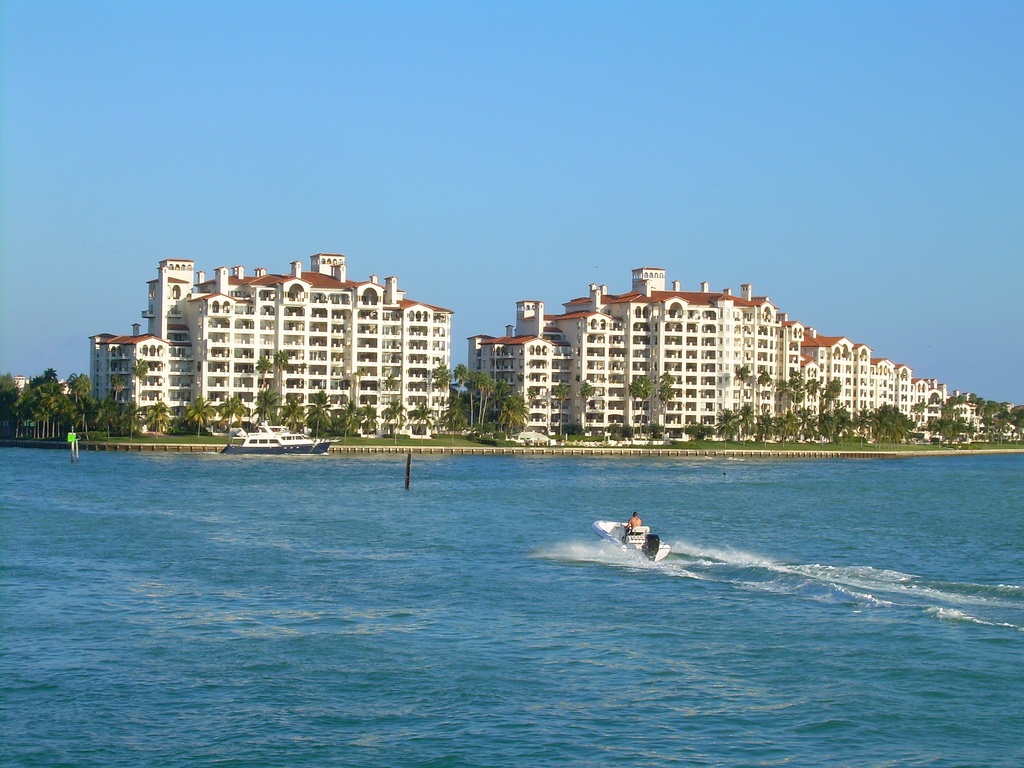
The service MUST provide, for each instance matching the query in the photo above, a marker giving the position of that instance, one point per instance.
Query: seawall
(483, 450)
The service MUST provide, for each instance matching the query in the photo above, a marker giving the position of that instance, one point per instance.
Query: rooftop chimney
(705, 287)
(748, 291)
(135, 329)
(222, 280)
(391, 293)
(296, 269)
(675, 285)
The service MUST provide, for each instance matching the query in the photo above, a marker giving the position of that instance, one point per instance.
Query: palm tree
(158, 417)
(797, 388)
(264, 366)
(830, 394)
(49, 403)
(485, 385)
(586, 392)
(782, 391)
(470, 383)
(117, 384)
(232, 410)
(513, 413)
(892, 425)
(666, 393)
(84, 412)
(200, 413)
(640, 388)
(318, 412)
(394, 415)
(281, 363)
(765, 426)
(561, 393)
(348, 418)
(743, 374)
(788, 425)
(834, 423)
(109, 415)
(748, 420)
(79, 389)
(140, 370)
(368, 420)
(864, 423)
(422, 416)
(729, 424)
(812, 387)
(130, 413)
(454, 417)
(267, 401)
(763, 380)
(460, 375)
(441, 378)
(293, 414)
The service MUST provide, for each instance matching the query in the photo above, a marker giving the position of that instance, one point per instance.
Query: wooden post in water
(408, 469)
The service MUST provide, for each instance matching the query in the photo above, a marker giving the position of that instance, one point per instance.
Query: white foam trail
(727, 555)
(861, 585)
(952, 614)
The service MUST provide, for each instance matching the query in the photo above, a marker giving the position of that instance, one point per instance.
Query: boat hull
(278, 450)
(267, 440)
(615, 533)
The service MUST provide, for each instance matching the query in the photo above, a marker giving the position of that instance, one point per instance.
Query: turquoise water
(213, 611)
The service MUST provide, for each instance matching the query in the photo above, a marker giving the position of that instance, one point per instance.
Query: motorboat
(637, 539)
(273, 440)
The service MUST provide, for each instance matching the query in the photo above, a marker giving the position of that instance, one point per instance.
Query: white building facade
(360, 341)
(701, 353)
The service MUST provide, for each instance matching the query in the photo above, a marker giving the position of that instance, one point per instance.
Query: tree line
(478, 404)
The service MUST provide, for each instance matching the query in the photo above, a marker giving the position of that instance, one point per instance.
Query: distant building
(318, 331)
(675, 358)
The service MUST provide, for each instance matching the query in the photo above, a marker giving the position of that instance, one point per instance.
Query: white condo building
(361, 341)
(692, 347)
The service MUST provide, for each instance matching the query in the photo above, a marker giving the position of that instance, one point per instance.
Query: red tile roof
(208, 296)
(823, 341)
(408, 303)
(690, 297)
(128, 340)
(509, 341)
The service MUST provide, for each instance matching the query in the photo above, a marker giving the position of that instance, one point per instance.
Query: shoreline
(483, 450)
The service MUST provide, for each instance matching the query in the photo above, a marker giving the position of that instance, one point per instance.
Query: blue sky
(860, 163)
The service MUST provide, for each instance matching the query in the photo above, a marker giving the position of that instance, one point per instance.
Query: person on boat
(633, 522)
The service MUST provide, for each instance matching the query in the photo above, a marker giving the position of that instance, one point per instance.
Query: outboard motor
(651, 546)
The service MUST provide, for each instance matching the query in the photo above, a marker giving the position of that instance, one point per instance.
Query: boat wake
(859, 586)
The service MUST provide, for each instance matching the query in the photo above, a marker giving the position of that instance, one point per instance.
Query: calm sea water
(214, 611)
